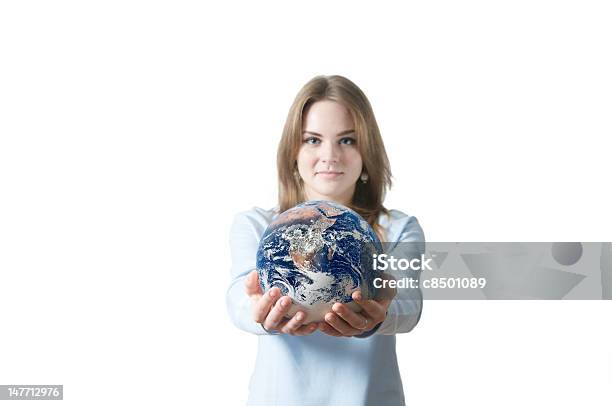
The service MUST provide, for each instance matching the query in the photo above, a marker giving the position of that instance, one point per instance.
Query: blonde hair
(368, 197)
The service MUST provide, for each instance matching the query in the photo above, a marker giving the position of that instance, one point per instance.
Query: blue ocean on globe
(318, 253)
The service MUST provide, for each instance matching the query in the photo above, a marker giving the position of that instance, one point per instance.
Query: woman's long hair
(368, 197)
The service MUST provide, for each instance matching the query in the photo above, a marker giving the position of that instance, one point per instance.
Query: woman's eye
(348, 141)
(311, 140)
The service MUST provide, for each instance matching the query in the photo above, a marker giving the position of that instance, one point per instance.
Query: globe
(318, 253)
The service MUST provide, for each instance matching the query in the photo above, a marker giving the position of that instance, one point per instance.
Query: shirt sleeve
(244, 242)
(405, 309)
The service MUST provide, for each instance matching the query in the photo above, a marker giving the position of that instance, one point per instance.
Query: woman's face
(328, 161)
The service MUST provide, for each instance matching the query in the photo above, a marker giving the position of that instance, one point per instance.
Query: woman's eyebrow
(337, 135)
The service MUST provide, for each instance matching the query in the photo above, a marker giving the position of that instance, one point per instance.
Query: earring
(364, 177)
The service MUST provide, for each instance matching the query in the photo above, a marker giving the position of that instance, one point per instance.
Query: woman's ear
(296, 174)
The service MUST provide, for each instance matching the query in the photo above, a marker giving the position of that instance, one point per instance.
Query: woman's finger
(291, 325)
(306, 329)
(374, 308)
(340, 325)
(263, 305)
(329, 330)
(251, 284)
(355, 320)
(276, 314)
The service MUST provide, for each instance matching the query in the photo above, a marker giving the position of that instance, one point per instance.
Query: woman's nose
(330, 152)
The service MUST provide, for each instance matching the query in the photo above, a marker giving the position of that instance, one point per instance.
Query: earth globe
(318, 253)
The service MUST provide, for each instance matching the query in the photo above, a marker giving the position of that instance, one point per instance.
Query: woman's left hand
(344, 322)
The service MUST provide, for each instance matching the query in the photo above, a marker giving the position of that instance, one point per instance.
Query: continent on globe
(318, 253)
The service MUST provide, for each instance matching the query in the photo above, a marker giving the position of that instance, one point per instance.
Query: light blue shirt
(318, 369)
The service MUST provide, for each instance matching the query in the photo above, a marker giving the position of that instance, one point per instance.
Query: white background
(132, 132)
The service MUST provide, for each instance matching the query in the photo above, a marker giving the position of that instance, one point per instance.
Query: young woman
(331, 149)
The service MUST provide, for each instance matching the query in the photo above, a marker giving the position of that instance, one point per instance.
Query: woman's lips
(329, 174)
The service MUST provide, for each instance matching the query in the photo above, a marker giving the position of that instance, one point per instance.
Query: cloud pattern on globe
(318, 253)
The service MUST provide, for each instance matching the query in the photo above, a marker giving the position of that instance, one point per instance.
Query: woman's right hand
(269, 309)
